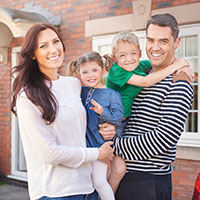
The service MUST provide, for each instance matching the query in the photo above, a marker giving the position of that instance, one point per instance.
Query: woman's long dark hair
(30, 79)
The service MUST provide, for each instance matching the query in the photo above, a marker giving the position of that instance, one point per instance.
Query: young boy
(128, 76)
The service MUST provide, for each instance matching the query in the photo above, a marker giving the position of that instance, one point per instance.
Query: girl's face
(49, 53)
(91, 74)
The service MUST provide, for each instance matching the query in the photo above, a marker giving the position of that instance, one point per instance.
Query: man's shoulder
(182, 82)
(181, 77)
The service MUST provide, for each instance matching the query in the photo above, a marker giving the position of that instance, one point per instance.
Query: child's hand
(179, 63)
(97, 107)
(188, 72)
(182, 65)
(107, 131)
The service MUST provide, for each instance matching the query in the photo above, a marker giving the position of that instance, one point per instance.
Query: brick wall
(73, 22)
(5, 114)
(170, 3)
(74, 14)
(5, 138)
(184, 176)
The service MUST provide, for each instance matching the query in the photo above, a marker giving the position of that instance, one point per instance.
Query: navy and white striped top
(154, 128)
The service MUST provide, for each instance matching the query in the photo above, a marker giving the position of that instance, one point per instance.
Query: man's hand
(97, 107)
(107, 131)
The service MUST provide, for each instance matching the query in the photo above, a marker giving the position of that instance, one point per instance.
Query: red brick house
(90, 25)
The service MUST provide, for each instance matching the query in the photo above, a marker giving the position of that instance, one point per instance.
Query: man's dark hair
(165, 20)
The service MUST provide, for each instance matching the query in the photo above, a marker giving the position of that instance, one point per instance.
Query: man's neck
(160, 67)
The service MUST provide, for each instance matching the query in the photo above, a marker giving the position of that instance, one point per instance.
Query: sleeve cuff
(91, 154)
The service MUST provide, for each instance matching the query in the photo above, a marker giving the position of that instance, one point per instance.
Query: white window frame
(187, 138)
(16, 146)
(191, 138)
(98, 41)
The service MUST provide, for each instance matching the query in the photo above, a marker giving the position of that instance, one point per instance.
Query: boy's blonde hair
(124, 36)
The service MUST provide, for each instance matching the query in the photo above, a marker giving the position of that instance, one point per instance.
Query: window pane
(105, 49)
(192, 120)
(195, 102)
(191, 123)
(191, 46)
(179, 53)
(194, 66)
(142, 42)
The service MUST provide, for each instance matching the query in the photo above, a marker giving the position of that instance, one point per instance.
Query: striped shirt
(157, 120)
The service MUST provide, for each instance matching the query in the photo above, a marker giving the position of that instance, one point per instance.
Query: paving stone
(10, 192)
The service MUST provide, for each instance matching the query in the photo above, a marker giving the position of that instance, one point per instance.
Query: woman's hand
(107, 131)
(106, 153)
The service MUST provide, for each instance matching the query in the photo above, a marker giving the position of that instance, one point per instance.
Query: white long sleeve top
(58, 162)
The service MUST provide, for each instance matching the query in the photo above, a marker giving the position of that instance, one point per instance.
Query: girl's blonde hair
(93, 56)
(124, 36)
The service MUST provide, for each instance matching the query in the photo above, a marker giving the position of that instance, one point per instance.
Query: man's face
(160, 46)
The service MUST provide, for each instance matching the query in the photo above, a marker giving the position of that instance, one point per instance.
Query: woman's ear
(33, 58)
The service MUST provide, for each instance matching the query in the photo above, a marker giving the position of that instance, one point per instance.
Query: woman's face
(49, 53)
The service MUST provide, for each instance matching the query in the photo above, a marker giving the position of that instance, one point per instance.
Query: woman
(52, 121)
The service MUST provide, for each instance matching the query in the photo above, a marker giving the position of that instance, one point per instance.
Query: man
(158, 116)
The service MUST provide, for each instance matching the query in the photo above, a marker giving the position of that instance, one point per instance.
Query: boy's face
(127, 55)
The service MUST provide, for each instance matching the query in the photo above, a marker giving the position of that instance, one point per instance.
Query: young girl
(102, 105)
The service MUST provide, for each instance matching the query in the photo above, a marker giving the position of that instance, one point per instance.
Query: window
(189, 49)
(18, 164)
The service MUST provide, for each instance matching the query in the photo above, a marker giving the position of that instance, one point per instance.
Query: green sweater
(117, 80)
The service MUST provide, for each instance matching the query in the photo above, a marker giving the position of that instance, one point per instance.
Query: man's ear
(140, 53)
(177, 42)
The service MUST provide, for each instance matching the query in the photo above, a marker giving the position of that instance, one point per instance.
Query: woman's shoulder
(22, 94)
(71, 80)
